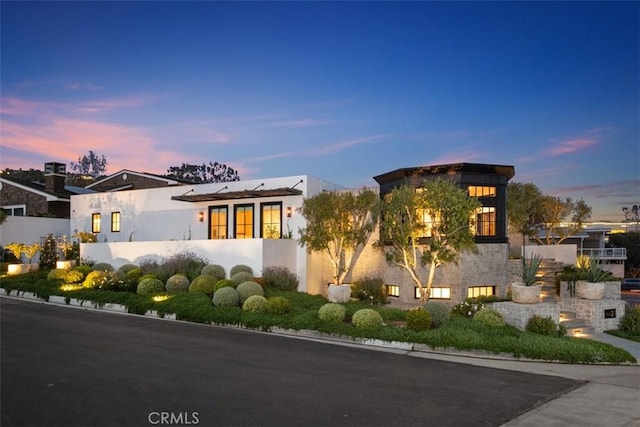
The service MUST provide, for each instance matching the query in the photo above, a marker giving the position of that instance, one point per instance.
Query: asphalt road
(70, 367)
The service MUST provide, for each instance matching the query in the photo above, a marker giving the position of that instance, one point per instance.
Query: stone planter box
(589, 290)
(601, 315)
(339, 293)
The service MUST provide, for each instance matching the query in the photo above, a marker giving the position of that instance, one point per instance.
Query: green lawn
(459, 333)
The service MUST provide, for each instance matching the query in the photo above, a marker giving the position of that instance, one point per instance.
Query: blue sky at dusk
(342, 91)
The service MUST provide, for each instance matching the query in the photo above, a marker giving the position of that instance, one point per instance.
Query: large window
(95, 223)
(435, 293)
(218, 222)
(271, 220)
(481, 191)
(115, 222)
(485, 221)
(244, 221)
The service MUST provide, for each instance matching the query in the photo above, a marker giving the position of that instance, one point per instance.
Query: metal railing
(605, 253)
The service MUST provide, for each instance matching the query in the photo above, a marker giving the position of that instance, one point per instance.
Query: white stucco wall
(29, 229)
(566, 254)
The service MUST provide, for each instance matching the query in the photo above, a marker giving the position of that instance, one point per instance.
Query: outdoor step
(580, 332)
(567, 315)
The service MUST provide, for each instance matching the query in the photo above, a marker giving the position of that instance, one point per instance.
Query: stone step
(580, 331)
(567, 315)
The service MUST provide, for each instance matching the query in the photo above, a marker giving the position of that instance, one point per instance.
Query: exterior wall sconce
(200, 216)
(288, 211)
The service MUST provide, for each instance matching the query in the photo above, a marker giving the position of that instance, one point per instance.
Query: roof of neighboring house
(478, 168)
(39, 188)
(121, 173)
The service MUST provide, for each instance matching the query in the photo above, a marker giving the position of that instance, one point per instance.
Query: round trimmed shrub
(127, 268)
(214, 270)
(58, 274)
(418, 320)
(150, 286)
(366, 318)
(439, 312)
(241, 277)
(278, 305)
(90, 281)
(279, 278)
(247, 289)
(332, 312)
(74, 276)
(630, 322)
(226, 297)
(490, 317)
(102, 266)
(541, 325)
(223, 284)
(203, 283)
(83, 268)
(240, 267)
(177, 282)
(255, 304)
(134, 275)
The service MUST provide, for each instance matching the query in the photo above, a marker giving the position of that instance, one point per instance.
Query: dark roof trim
(397, 174)
(234, 195)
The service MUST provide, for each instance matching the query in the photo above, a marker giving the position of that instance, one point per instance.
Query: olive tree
(425, 228)
(339, 224)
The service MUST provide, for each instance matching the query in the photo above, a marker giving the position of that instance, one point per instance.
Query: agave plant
(592, 271)
(529, 271)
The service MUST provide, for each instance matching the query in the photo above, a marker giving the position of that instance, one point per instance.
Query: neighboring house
(131, 180)
(256, 222)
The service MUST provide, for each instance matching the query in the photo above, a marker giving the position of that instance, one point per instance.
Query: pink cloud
(570, 146)
(299, 123)
(461, 157)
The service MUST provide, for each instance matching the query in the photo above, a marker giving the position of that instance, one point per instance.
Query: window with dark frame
(95, 223)
(271, 220)
(244, 221)
(476, 291)
(115, 222)
(218, 222)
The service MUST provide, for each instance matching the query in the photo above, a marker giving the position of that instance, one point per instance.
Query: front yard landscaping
(292, 310)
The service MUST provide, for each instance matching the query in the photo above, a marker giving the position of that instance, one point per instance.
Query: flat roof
(234, 195)
(480, 168)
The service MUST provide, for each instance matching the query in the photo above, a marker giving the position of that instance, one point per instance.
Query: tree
(429, 226)
(339, 224)
(522, 206)
(559, 219)
(92, 165)
(212, 172)
(630, 241)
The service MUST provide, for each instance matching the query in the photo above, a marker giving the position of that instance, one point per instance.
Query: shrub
(83, 268)
(241, 277)
(630, 322)
(177, 282)
(225, 297)
(125, 268)
(74, 276)
(224, 283)
(278, 305)
(439, 312)
(279, 278)
(49, 253)
(418, 320)
(58, 274)
(366, 318)
(332, 312)
(187, 263)
(468, 308)
(102, 266)
(238, 268)
(90, 281)
(255, 304)
(247, 289)
(133, 276)
(541, 325)
(150, 286)
(203, 283)
(489, 317)
(370, 290)
(214, 270)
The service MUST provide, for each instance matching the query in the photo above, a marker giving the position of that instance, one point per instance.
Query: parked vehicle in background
(630, 284)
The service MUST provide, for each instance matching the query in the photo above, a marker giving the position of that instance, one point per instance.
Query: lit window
(244, 222)
(436, 293)
(393, 290)
(115, 222)
(480, 191)
(95, 223)
(476, 291)
(271, 220)
(218, 221)
(485, 221)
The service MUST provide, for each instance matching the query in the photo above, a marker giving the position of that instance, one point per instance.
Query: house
(256, 222)
(131, 180)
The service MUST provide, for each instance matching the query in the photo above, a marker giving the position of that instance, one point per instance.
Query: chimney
(55, 175)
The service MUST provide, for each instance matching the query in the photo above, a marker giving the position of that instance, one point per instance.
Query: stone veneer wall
(519, 314)
(611, 290)
(592, 311)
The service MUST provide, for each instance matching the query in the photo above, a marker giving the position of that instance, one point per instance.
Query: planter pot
(523, 294)
(15, 269)
(66, 265)
(339, 293)
(589, 290)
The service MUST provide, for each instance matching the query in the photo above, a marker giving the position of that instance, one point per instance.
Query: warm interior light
(288, 211)
(200, 216)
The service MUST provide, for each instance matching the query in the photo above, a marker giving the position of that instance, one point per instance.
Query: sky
(342, 91)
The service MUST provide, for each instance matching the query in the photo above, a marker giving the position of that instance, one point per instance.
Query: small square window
(393, 290)
(476, 291)
(435, 293)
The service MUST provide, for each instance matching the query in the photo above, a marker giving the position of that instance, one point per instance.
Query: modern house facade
(256, 222)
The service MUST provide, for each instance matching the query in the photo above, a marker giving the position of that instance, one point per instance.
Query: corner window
(95, 223)
(271, 220)
(435, 293)
(115, 222)
(476, 291)
(244, 222)
(218, 222)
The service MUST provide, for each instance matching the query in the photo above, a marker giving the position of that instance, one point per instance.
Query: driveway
(71, 367)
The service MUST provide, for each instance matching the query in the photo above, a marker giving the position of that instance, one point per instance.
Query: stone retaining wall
(593, 311)
(519, 314)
